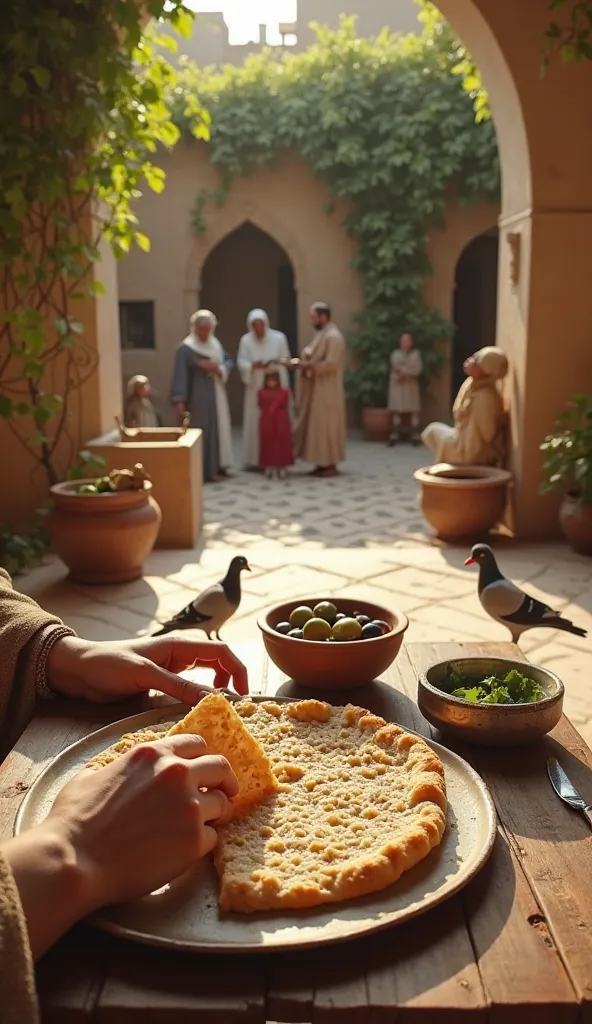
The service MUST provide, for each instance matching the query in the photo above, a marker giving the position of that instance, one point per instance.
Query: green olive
(300, 615)
(325, 610)
(347, 629)
(316, 629)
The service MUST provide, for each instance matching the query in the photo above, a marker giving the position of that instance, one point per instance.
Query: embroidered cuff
(42, 690)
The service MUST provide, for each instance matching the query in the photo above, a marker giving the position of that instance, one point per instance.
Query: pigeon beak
(247, 567)
(469, 561)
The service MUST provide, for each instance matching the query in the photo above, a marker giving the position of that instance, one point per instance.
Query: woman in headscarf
(477, 437)
(199, 388)
(260, 347)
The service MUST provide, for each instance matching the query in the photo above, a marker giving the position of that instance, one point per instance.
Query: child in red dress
(275, 431)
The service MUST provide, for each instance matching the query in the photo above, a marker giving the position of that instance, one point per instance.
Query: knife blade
(566, 791)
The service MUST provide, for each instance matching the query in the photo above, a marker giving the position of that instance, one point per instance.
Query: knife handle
(587, 812)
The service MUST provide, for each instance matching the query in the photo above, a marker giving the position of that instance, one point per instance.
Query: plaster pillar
(544, 292)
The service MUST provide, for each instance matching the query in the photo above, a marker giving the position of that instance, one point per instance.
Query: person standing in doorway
(319, 431)
(404, 398)
(258, 348)
(199, 388)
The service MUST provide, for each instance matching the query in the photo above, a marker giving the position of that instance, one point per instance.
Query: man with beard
(319, 431)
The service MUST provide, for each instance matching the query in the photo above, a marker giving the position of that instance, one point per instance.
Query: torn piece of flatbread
(216, 720)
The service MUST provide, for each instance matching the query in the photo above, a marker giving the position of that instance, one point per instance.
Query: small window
(136, 324)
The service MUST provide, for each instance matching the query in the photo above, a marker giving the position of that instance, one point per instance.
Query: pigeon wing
(533, 613)
(213, 607)
(185, 619)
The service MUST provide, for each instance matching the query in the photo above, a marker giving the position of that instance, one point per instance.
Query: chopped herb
(513, 688)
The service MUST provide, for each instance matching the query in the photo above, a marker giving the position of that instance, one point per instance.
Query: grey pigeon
(506, 603)
(212, 608)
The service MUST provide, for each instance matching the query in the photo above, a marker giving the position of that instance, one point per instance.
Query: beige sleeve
(27, 634)
(415, 363)
(18, 999)
(334, 356)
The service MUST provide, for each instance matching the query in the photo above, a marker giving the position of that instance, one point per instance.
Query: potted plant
(567, 467)
(104, 527)
(367, 386)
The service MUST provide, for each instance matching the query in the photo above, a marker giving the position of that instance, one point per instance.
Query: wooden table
(515, 946)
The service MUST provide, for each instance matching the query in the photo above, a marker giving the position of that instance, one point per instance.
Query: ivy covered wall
(388, 127)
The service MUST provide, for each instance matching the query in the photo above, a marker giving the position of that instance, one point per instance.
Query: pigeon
(506, 603)
(214, 606)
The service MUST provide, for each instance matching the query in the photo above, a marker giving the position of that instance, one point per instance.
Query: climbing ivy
(391, 132)
(83, 93)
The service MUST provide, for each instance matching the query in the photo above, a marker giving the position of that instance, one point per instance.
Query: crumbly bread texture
(360, 801)
(216, 720)
(127, 741)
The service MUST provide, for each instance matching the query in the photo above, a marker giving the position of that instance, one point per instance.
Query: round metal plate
(184, 915)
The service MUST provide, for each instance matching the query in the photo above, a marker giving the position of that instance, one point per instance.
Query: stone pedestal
(174, 462)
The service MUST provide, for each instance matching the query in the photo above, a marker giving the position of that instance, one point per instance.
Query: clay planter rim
(319, 665)
(66, 496)
(477, 477)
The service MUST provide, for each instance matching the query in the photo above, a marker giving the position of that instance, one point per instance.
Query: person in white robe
(199, 387)
(258, 348)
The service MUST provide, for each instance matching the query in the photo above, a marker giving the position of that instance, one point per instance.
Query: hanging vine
(388, 127)
(82, 107)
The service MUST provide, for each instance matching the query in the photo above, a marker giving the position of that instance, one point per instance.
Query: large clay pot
(462, 502)
(576, 523)
(103, 538)
(377, 423)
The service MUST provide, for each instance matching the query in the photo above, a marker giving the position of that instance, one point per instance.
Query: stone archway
(545, 228)
(248, 268)
(475, 302)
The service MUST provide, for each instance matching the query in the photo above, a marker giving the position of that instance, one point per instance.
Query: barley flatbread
(360, 801)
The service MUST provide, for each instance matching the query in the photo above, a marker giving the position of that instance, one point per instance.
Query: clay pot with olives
(336, 644)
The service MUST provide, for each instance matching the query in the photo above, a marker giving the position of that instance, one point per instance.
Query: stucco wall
(288, 204)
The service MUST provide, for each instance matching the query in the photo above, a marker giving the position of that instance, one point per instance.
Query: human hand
(108, 671)
(207, 366)
(179, 410)
(120, 831)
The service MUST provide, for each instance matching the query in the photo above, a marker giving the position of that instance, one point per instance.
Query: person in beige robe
(477, 437)
(320, 425)
(140, 410)
(404, 397)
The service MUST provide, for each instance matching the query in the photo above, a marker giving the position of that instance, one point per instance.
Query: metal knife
(564, 789)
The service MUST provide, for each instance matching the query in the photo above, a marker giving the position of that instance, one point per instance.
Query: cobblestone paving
(361, 535)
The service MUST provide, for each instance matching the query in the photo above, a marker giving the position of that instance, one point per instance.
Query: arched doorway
(475, 301)
(248, 268)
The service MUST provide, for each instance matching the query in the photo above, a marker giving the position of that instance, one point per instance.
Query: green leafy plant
(567, 452)
(83, 109)
(389, 129)
(569, 37)
(22, 549)
(87, 465)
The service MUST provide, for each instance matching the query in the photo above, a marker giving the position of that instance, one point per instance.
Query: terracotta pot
(103, 538)
(329, 666)
(576, 523)
(377, 423)
(462, 502)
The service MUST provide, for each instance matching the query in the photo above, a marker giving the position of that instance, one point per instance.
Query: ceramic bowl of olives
(332, 643)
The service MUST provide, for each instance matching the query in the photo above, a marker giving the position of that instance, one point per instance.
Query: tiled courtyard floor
(360, 534)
